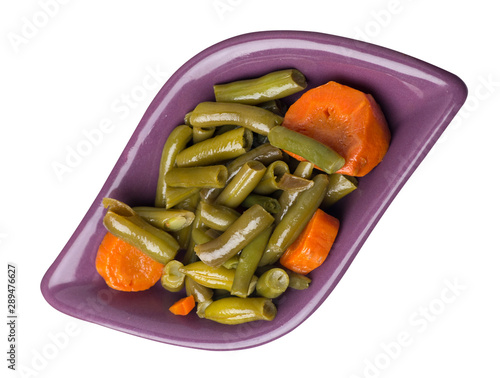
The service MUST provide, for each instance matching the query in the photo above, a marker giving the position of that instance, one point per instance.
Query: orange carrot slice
(313, 245)
(125, 267)
(346, 120)
(183, 306)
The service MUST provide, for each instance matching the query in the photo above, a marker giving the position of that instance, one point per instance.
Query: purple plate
(418, 99)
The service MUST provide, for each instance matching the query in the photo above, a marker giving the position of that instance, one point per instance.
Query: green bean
(211, 176)
(272, 283)
(197, 226)
(271, 205)
(217, 217)
(232, 263)
(201, 307)
(224, 129)
(186, 118)
(264, 153)
(183, 236)
(310, 149)
(174, 196)
(213, 233)
(297, 281)
(340, 185)
(234, 310)
(200, 236)
(242, 184)
(294, 183)
(274, 106)
(273, 174)
(199, 292)
(248, 262)
(287, 198)
(274, 85)
(166, 219)
(295, 220)
(217, 149)
(176, 141)
(124, 223)
(250, 224)
(202, 133)
(171, 278)
(213, 277)
(253, 118)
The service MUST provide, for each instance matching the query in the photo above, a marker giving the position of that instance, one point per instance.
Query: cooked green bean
(166, 219)
(287, 198)
(273, 174)
(310, 149)
(183, 236)
(201, 307)
(171, 278)
(186, 118)
(274, 106)
(200, 236)
(202, 133)
(232, 263)
(272, 283)
(213, 277)
(295, 220)
(242, 184)
(218, 217)
(294, 183)
(176, 141)
(199, 292)
(210, 176)
(174, 196)
(216, 149)
(248, 263)
(124, 223)
(253, 118)
(340, 185)
(274, 85)
(234, 310)
(248, 226)
(297, 281)
(264, 153)
(270, 204)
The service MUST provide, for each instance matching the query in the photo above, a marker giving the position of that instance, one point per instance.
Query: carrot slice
(183, 306)
(313, 245)
(346, 120)
(125, 267)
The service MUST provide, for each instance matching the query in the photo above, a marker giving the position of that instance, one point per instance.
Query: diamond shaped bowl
(418, 99)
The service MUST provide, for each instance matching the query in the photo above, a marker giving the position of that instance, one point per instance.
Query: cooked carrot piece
(347, 120)
(183, 306)
(313, 245)
(125, 267)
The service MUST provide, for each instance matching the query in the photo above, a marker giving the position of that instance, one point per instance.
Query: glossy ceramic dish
(418, 99)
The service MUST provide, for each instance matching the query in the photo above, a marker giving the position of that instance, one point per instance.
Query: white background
(391, 315)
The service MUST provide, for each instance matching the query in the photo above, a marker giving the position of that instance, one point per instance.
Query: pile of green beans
(229, 201)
